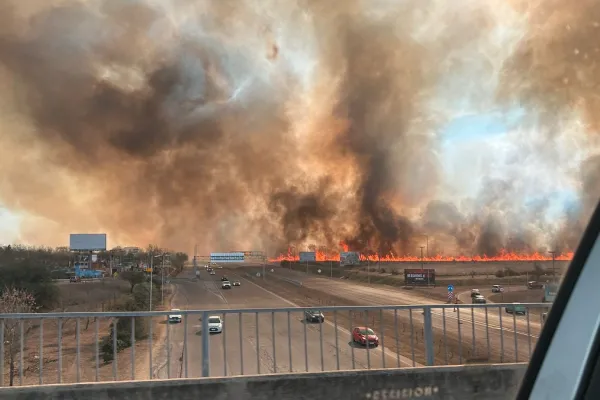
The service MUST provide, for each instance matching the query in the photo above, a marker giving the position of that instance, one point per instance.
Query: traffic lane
(192, 294)
(500, 338)
(385, 296)
(335, 351)
(236, 350)
(273, 351)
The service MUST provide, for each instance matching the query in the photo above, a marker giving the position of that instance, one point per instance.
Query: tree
(178, 260)
(14, 301)
(32, 277)
(133, 277)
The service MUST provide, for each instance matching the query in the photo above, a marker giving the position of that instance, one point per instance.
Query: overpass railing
(48, 348)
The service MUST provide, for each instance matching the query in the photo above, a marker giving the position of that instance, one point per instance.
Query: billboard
(227, 257)
(308, 256)
(87, 241)
(419, 276)
(349, 258)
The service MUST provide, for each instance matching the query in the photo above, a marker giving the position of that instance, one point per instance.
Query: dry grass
(83, 297)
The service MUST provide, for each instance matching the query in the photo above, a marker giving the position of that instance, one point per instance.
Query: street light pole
(151, 272)
(553, 252)
(162, 280)
(423, 265)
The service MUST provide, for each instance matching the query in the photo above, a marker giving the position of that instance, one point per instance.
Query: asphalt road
(512, 336)
(278, 346)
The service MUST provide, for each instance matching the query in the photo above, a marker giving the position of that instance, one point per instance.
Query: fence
(61, 347)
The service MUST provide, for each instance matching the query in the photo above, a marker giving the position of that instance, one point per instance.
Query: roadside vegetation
(28, 284)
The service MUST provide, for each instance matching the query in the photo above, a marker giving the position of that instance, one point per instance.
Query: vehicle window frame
(564, 358)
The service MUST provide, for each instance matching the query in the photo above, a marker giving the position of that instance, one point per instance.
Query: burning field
(265, 124)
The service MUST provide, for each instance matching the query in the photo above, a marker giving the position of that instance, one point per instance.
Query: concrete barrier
(489, 382)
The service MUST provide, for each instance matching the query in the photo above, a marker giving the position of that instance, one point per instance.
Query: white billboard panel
(227, 257)
(87, 241)
(308, 256)
(349, 258)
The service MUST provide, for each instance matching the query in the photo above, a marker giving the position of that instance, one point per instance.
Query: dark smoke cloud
(243, 125)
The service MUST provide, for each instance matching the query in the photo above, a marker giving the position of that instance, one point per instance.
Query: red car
(361, 334)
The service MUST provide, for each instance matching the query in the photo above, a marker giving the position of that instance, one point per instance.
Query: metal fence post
(428, 335)
(205, 345)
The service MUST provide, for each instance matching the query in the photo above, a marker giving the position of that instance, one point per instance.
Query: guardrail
(61, 348)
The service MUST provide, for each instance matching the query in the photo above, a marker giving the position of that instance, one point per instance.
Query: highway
(511, 339)
(241, 350)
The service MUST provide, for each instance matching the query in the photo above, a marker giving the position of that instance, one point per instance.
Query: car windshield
(378, 158)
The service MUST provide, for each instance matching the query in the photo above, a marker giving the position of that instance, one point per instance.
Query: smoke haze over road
(262, 124)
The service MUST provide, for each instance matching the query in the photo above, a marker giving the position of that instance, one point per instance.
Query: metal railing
(86, 347)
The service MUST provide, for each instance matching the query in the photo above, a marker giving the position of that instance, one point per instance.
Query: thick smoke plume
(243, 125)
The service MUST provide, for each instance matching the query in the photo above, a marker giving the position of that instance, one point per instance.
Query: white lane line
(408, 362)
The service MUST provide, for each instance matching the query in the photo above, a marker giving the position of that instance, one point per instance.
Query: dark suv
(224, 279)
(314, 316)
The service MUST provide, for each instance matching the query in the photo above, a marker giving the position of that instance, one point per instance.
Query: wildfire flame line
(502, 256)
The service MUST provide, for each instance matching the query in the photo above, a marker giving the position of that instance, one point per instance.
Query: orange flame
(503, 255)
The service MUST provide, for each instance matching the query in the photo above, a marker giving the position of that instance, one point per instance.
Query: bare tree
(13, 301)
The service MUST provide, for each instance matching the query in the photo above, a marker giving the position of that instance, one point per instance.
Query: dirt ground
(519, 296)
(82, 297)
(411, 341)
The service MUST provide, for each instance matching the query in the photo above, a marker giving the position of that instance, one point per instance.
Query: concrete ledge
(489, 382)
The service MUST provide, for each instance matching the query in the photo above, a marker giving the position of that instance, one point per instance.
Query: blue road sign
(450, 288)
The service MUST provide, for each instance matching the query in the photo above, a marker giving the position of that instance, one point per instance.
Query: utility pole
(331, 268)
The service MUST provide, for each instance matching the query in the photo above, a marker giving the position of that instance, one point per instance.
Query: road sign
(501, 289)
(450, 288)
(450, 296)
(319, 271)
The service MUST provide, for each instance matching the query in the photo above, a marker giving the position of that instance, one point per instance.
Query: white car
(226, 285)
(215, 324)
(175, 317)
